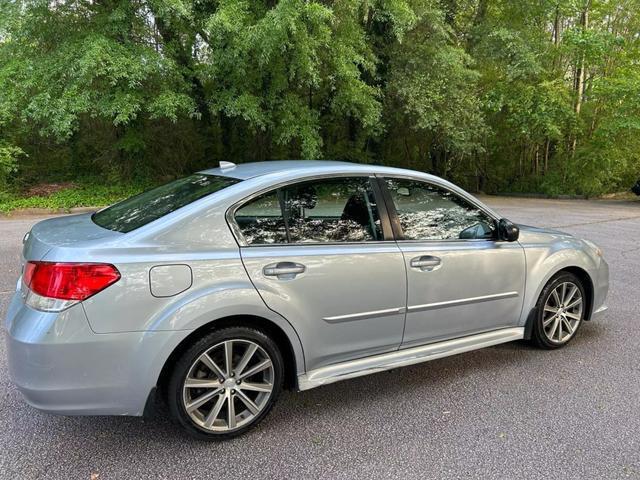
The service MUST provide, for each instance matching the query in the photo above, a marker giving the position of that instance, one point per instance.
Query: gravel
(509, 411)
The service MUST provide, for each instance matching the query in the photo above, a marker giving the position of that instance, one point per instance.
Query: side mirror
(507, 230)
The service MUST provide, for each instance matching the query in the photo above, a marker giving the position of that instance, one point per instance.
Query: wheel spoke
(567, 325)
(548, 308)
(202, 383)
(208, 361)
(253, 408)
(572, 315)
(228, 357)
(256, 368)
(556, 298)
(215, 411)
(202, 399)
(554, 328)
(570, 295)
(248, 354)
(575, 303)
(564, 292)
(559, 329)
(256, 387)
(231, 412)
(548, 321)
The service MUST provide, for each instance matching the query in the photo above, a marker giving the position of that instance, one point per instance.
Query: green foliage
(505, 95)
(86, 194)
(433, 83)
(9, 155)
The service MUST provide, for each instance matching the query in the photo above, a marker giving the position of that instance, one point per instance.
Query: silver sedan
(216, 291)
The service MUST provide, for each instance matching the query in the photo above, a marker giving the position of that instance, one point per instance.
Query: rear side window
(261, 221)
(148, 206)
(318, 211)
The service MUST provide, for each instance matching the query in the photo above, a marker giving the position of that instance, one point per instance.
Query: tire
(217, 402)
(554, 330)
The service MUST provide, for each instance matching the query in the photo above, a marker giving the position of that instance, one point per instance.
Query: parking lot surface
(510, 411)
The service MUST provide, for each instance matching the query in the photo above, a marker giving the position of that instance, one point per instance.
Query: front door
(461, 279)
(317, 254)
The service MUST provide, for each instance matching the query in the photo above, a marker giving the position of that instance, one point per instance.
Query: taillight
(69, 281)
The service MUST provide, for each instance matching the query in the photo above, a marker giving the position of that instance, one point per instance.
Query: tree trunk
(557, 26)
(546, 156)
(580, 69)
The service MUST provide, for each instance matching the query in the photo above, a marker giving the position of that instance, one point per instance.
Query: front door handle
(283, 270)
(426, 263)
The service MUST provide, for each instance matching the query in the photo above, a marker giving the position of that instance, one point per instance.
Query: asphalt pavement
(510, 411)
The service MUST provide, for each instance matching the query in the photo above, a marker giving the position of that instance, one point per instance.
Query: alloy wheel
(228, 385)
(562, 312)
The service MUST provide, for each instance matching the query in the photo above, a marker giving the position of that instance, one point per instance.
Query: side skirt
(403, 358)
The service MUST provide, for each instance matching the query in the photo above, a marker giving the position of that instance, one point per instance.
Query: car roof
(246, 171)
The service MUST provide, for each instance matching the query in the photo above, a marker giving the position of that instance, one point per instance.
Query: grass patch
(85, 194)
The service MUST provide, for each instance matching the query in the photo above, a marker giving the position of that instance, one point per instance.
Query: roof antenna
(227, 165)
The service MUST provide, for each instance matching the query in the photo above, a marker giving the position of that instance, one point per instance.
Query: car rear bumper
(61, 366)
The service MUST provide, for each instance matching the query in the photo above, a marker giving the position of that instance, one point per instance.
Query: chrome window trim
(451, 240)
(237, 233)
(318, 244)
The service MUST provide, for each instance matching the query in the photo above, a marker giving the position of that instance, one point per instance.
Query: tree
(497, 95)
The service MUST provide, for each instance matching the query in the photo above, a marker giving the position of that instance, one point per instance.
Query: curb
(21, 212)
(543, 195)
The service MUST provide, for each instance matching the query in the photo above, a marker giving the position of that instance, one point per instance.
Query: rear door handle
(426, 263)
(283, 270)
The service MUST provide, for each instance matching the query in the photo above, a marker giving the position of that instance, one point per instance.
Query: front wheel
(559, 312)
(226, 383)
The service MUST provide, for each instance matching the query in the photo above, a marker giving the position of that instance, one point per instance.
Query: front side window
(318, 211)
(153, 204)
(428, 212)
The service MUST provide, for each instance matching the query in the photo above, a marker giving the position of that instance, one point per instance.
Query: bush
(89, 194)
(9, 155)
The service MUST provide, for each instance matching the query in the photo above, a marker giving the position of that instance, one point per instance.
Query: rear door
(461, 279)
(321, 254)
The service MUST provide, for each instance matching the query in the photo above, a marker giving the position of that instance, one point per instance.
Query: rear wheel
(226, 383)
(559, 312)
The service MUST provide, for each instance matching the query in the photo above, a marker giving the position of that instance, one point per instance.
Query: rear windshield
(148, 206)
